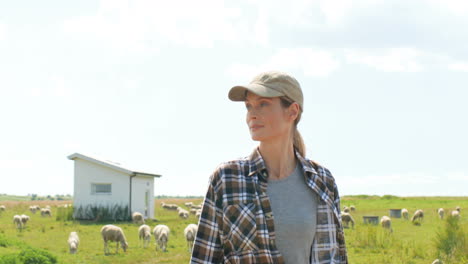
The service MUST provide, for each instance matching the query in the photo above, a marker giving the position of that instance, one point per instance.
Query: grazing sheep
(24, 219)
(197, 206)
(73, 242)
(441, 213)
(184, 214)
(353, 208)
(144, 233)
(138, 218)
(46, 211)
(404, 212)
(386, 223)
(346, 209)
(161, 235)
(18, 222)
(198, 213)
(418, 216)
(346, 218)
(190, 232)
(189, 204)
(455, 214)
(116, 234)
(33, 209)
(169, 206)
(2, 208)
(458, 208)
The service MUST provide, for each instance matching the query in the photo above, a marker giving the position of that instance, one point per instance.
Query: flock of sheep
(113, 233)
(386, 221)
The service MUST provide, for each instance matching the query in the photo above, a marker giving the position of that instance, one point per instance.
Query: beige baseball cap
(270, 84)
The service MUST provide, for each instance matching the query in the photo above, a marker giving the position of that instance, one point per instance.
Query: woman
(274, 206)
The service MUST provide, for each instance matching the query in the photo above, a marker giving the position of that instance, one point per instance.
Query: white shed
(106, 187)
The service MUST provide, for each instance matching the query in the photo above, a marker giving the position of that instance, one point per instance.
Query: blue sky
(144, 83)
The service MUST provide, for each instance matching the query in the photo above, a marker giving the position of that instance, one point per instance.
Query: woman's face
(267, 119)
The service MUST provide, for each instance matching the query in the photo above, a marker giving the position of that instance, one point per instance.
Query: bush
(452, 242)
(9, 259)
(36, 256)
(102, 213)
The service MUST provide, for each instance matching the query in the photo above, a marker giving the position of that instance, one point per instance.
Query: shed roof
(111, 165)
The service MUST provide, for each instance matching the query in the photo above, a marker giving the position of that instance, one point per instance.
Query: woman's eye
(247, 106)
(263, 104)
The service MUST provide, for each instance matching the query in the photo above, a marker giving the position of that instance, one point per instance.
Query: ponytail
(298, 142)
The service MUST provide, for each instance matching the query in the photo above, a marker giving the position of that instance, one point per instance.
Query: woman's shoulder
(237, 166)
(322, 171)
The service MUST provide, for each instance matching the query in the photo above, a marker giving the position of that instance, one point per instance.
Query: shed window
(101, 188)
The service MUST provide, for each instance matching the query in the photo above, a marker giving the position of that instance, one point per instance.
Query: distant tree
(33, 197)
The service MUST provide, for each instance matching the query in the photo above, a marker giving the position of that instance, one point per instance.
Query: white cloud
(456, 7)
(388, 60)
(315, 63)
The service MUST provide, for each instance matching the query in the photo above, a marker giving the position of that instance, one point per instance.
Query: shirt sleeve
(343, 255)
(207, 245)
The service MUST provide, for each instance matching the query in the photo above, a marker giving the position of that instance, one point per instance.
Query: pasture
(407, 243)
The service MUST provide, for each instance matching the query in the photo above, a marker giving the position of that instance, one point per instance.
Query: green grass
(366, 243)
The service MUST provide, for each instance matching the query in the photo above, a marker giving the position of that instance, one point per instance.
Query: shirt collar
(257, 164)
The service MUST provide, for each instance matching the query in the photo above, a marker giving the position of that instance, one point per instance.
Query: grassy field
(366, 243)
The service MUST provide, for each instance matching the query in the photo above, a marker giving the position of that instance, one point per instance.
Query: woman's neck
(279, 158)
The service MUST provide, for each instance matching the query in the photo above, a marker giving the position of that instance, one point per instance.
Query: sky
(144, 83)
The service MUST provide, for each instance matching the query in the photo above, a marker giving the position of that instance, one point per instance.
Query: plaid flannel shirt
(236, 223)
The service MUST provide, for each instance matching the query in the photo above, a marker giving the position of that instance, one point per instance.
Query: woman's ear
(294, 111)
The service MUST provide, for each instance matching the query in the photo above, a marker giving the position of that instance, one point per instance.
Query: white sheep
(138, 218)
(46, 211)
(455, 214)
(386, 223)
(73, 242)
(346, 218)
(2, 208)
(33, 209)
(441, 213)
(18, 222)
(115, 234)
(405, 213)
(346, 209)
(24, 219)
(458, 208)
(197, 206)
(418, 216)
(161, 235)
(184, 214)
(353, 208)
(198, 213)
(144, 235)
(189, 204)
(169, 206)
(190, 233)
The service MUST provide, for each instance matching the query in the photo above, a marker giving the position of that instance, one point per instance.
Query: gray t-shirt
(294, 207)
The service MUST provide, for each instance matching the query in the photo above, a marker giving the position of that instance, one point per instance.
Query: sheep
(184, 214)
(404, 212)
(189, 204)
(18, 222)
(73, 242)
(138, 218)
(386, 223)
(455, 214)
(24, 219)
(33, 209)
(161, 235)
(198, 213)
(418, 215)
(46, 211)
(190, 232)
(116, 234)
(197, 206)
(458, 208)
(346, 218)
(2, 208)
(346, 209)
(144, 233)
(169, 206)
(193, 211)
(353, 208)
(441, 213)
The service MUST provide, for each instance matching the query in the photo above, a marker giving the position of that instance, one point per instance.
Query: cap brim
(238, 93)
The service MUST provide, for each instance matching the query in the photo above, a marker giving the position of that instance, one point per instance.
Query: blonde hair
(298, 141)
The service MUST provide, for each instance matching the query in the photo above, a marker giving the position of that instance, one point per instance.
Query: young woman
(274, 206)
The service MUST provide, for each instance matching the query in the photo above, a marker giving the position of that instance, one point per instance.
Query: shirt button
(272, 243)
(265, 174)
(268, 215)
